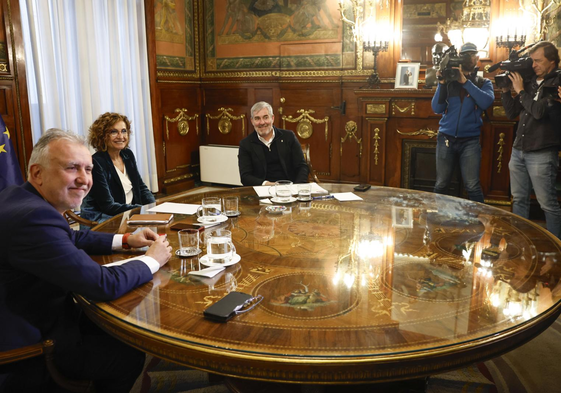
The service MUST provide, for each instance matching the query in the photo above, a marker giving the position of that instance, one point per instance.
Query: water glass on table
(188, 242)
(220, 249)
(283, 190)
(305, 192)
(210, 209)
(230, 206)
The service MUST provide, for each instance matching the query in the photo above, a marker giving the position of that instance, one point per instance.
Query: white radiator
(219, 164)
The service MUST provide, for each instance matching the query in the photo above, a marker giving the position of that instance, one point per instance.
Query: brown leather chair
(72, 218)
(46, 348)
(312, 176)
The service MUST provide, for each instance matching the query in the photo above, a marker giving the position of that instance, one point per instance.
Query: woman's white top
(127, 185)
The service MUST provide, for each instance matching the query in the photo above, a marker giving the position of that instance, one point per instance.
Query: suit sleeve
(101, 191)
(43, 245)
(245, 164)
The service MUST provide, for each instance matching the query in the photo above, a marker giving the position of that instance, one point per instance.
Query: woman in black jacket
(117, 185)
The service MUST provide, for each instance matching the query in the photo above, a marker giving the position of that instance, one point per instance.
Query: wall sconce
(510, 32)
(375, 40)
(374, 37)
(542, 11)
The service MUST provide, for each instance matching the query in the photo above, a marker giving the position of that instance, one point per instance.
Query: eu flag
(9, 166)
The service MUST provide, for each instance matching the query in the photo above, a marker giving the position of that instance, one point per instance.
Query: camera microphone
(494, 67)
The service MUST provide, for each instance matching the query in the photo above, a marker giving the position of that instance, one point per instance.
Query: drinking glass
(283, 190)
(188, 242)
(220, 248)
(210, 209)
(230, 206)
(305, 192)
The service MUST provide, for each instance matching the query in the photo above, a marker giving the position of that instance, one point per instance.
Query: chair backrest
(312, 176)
(73, 218)
(46, 348)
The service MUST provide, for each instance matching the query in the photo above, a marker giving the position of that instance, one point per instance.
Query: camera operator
(461, 104)
(534, 160)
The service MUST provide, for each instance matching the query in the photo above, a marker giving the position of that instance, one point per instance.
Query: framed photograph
(402, 217)
(407, 75)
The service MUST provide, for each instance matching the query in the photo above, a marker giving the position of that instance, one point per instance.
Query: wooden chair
(72, 218)
(312, 176)
(46, 348)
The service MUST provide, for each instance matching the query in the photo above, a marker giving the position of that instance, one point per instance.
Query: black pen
(323, 197)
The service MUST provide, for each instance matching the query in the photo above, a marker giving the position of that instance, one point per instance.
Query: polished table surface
(400, 285)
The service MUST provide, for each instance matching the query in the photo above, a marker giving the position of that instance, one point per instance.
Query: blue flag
(9, 166)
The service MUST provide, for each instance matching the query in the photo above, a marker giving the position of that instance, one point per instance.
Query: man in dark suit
(43, 260)
(270, 154)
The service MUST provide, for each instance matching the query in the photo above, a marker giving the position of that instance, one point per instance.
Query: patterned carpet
(534, 367)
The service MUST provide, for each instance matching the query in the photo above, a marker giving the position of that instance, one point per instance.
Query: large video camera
(515, 63)
(450, 63)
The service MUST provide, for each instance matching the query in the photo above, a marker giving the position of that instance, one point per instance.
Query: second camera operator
(534, 160)
(461, 103)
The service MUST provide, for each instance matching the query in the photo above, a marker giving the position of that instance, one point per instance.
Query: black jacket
(107, 195)
(538, 127)
(253, 164)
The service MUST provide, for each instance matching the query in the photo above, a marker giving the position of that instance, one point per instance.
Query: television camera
(450, 63)
(515, 63)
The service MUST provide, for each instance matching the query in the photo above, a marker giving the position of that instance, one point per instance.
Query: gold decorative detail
(178, 178)
(498, 202)
(375, 108)
(499, 111)
(3, 67)
(376, 144)
(282, 101)
(418, 11)
(351, 128)
(225, 122)
(501, 143)
(403, 110)
(425, 131)
(224, 125)
(304, 127)
(182, 122)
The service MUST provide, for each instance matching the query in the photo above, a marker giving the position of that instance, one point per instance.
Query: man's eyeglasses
(114, 133)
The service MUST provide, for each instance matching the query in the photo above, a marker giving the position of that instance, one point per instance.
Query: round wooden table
(400, 285)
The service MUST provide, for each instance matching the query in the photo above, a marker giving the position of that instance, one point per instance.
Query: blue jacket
(107, 195)
(42, 261)
(461, 107)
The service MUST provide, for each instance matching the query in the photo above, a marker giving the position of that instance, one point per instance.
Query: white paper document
(265, 191)
(346, 196)
(208, 272)
(178, 208)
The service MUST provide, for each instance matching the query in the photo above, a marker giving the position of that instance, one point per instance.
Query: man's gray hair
(40, 152)
(260, 105)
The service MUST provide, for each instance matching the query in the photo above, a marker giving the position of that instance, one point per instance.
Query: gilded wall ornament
(305, 129)
(224, 121)
(351, 128)
(425, 131)
(182, 120)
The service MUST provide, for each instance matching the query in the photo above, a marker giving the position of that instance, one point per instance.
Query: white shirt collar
(268, 144)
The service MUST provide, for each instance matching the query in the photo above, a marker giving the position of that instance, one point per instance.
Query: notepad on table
(150, 218)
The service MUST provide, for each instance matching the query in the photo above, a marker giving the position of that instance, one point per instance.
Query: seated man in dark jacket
(270, 154)
(43, 261)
